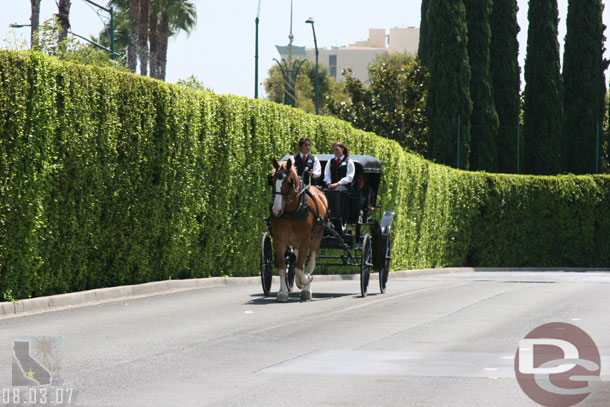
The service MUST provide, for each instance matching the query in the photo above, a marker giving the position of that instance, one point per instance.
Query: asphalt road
(431, 340)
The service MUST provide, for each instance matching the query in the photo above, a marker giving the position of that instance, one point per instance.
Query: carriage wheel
(291, 260)
(266, 264)
(385, 271)
(365, 265)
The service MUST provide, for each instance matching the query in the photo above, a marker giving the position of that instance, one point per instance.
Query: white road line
(365, 304)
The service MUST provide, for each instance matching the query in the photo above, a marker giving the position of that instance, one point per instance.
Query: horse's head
(285, 183)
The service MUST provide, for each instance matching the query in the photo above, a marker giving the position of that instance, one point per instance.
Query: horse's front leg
(311, 265)
(282, 295)
(301, 278)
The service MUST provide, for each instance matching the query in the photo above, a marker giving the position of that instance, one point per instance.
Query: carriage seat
(343, 206)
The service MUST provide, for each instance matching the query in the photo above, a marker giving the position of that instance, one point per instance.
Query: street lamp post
(110, 11)
(258, 12)
(95, 44)
(32, 37)
(315, 43)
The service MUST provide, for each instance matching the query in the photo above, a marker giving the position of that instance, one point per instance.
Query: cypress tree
(484, 119)
(506, 80)
(422, 48)
(449, 105)
(584, 85)
(543, 102)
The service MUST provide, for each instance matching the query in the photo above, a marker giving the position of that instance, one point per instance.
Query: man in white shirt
(306, 160)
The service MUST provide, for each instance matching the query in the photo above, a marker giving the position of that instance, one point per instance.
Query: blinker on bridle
(281, 173)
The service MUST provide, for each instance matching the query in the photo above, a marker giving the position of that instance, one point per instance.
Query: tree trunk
(35, 20)
(143, 36)
(132, 47)
(153, 23)
(163, 39)
(63, 15)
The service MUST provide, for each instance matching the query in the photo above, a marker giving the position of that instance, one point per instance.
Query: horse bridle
(283, 173)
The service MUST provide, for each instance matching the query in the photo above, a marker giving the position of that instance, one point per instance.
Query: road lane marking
(354, 307)
(365, 362)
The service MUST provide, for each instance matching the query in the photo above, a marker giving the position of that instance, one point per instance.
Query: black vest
(337, 173)
(298, 162)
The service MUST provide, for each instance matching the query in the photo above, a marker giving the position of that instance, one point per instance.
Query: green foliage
(71, 49)
(424, 33)
(543, 101)
(121, 31)
(393, 106)
(109, 178)
(484, 119)
(544, 221)
(193, 83)
(449, 104)
(328, 88)
(584, 86)
(505, 75)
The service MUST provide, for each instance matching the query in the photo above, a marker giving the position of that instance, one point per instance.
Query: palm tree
(132, 47)
(151, 23)
(168, 18)
(143, 35)
(63, 15)
(35, 22)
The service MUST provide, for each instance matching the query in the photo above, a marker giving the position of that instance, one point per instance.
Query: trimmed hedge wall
(109, 178)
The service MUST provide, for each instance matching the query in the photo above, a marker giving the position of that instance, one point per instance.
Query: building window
(332, 65)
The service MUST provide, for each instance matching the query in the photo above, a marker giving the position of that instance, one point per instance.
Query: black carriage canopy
(365, 164)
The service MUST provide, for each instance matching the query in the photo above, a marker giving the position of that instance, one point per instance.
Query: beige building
(359, 55)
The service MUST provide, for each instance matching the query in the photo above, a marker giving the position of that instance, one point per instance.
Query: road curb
(100, 295)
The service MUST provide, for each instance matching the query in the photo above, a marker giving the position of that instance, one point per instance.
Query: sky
(220, 50)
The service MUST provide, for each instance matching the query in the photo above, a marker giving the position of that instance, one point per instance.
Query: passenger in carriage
(364, 194)
(304, 160)
(339, 173)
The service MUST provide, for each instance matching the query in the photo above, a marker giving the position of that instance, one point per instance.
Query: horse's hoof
(305, 295)
(281, 297)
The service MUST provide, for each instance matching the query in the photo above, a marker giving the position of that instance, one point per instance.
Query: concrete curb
(162, 287)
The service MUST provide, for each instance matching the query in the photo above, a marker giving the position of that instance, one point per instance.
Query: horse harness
(303, 208)
(302, 211)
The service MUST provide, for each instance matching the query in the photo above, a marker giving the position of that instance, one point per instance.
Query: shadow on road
(260, 299)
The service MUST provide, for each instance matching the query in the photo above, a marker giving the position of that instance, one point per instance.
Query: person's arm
(327, 179)
(317, 169)
(369, 204)
(351, 171)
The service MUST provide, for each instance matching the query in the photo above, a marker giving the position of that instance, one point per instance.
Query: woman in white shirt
(339, 173)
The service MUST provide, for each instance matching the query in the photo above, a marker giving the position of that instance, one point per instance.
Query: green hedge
(109, 178)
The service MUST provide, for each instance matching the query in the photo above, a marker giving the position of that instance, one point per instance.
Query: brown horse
(302, 232)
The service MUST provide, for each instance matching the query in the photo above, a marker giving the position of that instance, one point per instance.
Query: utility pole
(258, 12)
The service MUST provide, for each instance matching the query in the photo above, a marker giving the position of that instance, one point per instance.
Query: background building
(359, 55)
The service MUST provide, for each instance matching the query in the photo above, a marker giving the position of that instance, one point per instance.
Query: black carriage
(352, 237)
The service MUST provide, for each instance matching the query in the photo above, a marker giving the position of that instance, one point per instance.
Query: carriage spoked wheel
(266, 263)
(385, 271)
(365, 265)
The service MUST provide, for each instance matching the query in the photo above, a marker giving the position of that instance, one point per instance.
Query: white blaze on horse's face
(278, 202)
